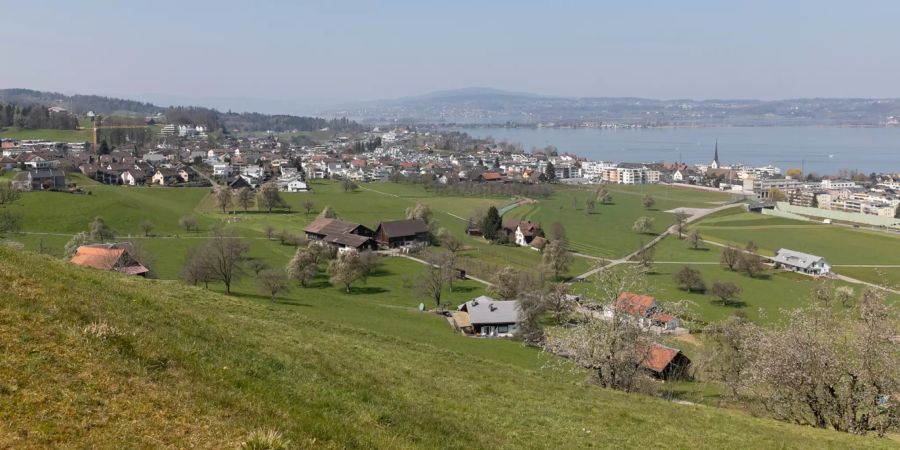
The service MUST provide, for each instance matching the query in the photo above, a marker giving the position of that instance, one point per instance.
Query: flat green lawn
(174, 366)
(761, 299)
(606, 232)
(839, 245)
(48, 135)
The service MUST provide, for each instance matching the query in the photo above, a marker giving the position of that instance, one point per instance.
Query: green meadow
(96, 359)
(83, 135)
(606, 231)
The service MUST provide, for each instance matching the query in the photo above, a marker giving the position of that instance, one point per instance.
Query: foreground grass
(98, 360)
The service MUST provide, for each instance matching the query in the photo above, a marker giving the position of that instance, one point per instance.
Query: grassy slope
(49, 135)
(189, 367)
(607, 231)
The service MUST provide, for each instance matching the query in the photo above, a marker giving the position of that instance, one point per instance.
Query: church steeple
(715, 163)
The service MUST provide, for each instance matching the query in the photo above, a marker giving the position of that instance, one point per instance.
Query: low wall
(843, 216)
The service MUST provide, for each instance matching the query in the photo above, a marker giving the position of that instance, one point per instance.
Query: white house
(801, 262)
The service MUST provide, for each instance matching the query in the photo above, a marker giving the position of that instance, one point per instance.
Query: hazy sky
(286, 55)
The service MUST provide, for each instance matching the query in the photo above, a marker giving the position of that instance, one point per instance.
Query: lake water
(822, 150)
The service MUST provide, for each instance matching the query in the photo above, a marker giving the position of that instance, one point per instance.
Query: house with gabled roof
(801, 262)
(323, 227)
(400, 233)
(110, 257)
(666, 363)
(486, 317)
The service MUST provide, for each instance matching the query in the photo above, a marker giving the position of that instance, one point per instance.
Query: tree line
(34, 117)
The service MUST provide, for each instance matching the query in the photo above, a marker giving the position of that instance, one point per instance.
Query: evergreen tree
(550, 172)
(491, 224)
(104, 148)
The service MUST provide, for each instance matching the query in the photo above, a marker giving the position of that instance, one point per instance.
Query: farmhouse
(666, 363)
(111, 257)
(640, 306)
(801, 262)
(487, 317)
(322, 227)
(399, 233)
(345, 242)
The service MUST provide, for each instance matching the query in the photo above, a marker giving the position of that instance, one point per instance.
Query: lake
(822, 150)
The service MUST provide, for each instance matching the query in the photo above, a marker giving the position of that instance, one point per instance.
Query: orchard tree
(308, 206)
(556, 258)
(304, 266)
(727, 291)
(731, 257)
(695, 240)
(328, 213)
(223, 198)
(269, 197)
(189, 223)
(643, 225)
(680, 221)
(689, 279)
(245, 198)
(146, 227)
(344, 270)
(648, 201)
(272, 282)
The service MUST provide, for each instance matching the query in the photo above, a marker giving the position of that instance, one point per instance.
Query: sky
(291, 56)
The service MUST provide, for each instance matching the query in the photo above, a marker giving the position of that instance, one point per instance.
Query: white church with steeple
(715, 162)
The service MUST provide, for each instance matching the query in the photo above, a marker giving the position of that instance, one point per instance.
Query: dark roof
(397, 228)
(350, 240)
(329, 227)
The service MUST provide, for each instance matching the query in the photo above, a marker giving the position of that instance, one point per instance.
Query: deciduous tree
(245, 198)
(727, 291)
(272, 282)
(223, 198)
(269, 197)
(689, 279)
(643, 225)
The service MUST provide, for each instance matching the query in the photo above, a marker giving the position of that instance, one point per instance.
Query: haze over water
(823, 150)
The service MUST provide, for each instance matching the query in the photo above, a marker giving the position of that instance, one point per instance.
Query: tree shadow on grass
(366, 290)
(256, 212)
(463, 289)
(736, 304)
(291, 302)
(700, 249)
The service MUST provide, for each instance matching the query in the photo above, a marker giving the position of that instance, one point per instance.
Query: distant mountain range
(493, 106)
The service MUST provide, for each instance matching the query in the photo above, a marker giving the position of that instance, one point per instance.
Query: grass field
(839, 245)
(48, 135)
(761, 299)
(124, 208)
(606, 232)
(94, 359)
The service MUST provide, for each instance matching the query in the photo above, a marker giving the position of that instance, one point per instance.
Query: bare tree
(223, 198)
(507, 283)
(559, 302)
(269, 197)
(731, 257)
(556, 258)
(689, 279)
(557, 232)
(8, 194)
(531, 306)
(751, 264)
(349, 185)
(648, 201)
(680, 221)
(308, 206)
(269, 230)
(452, 243)
(695, 240)
(226, 253)
(189, 223)
(433, 278)
(272, 282)
(257, 265)
(146, 227)
(245, 198)
(613, 348)
(590, 205)
(196, 267)
(727, 291)
(100, 231)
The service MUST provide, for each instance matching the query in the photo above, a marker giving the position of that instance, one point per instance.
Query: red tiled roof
(491, 176)
(97, 257)
(635, 304)
(659, 357)
(662, 317)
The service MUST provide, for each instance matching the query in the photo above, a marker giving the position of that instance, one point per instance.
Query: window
(503, 329)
